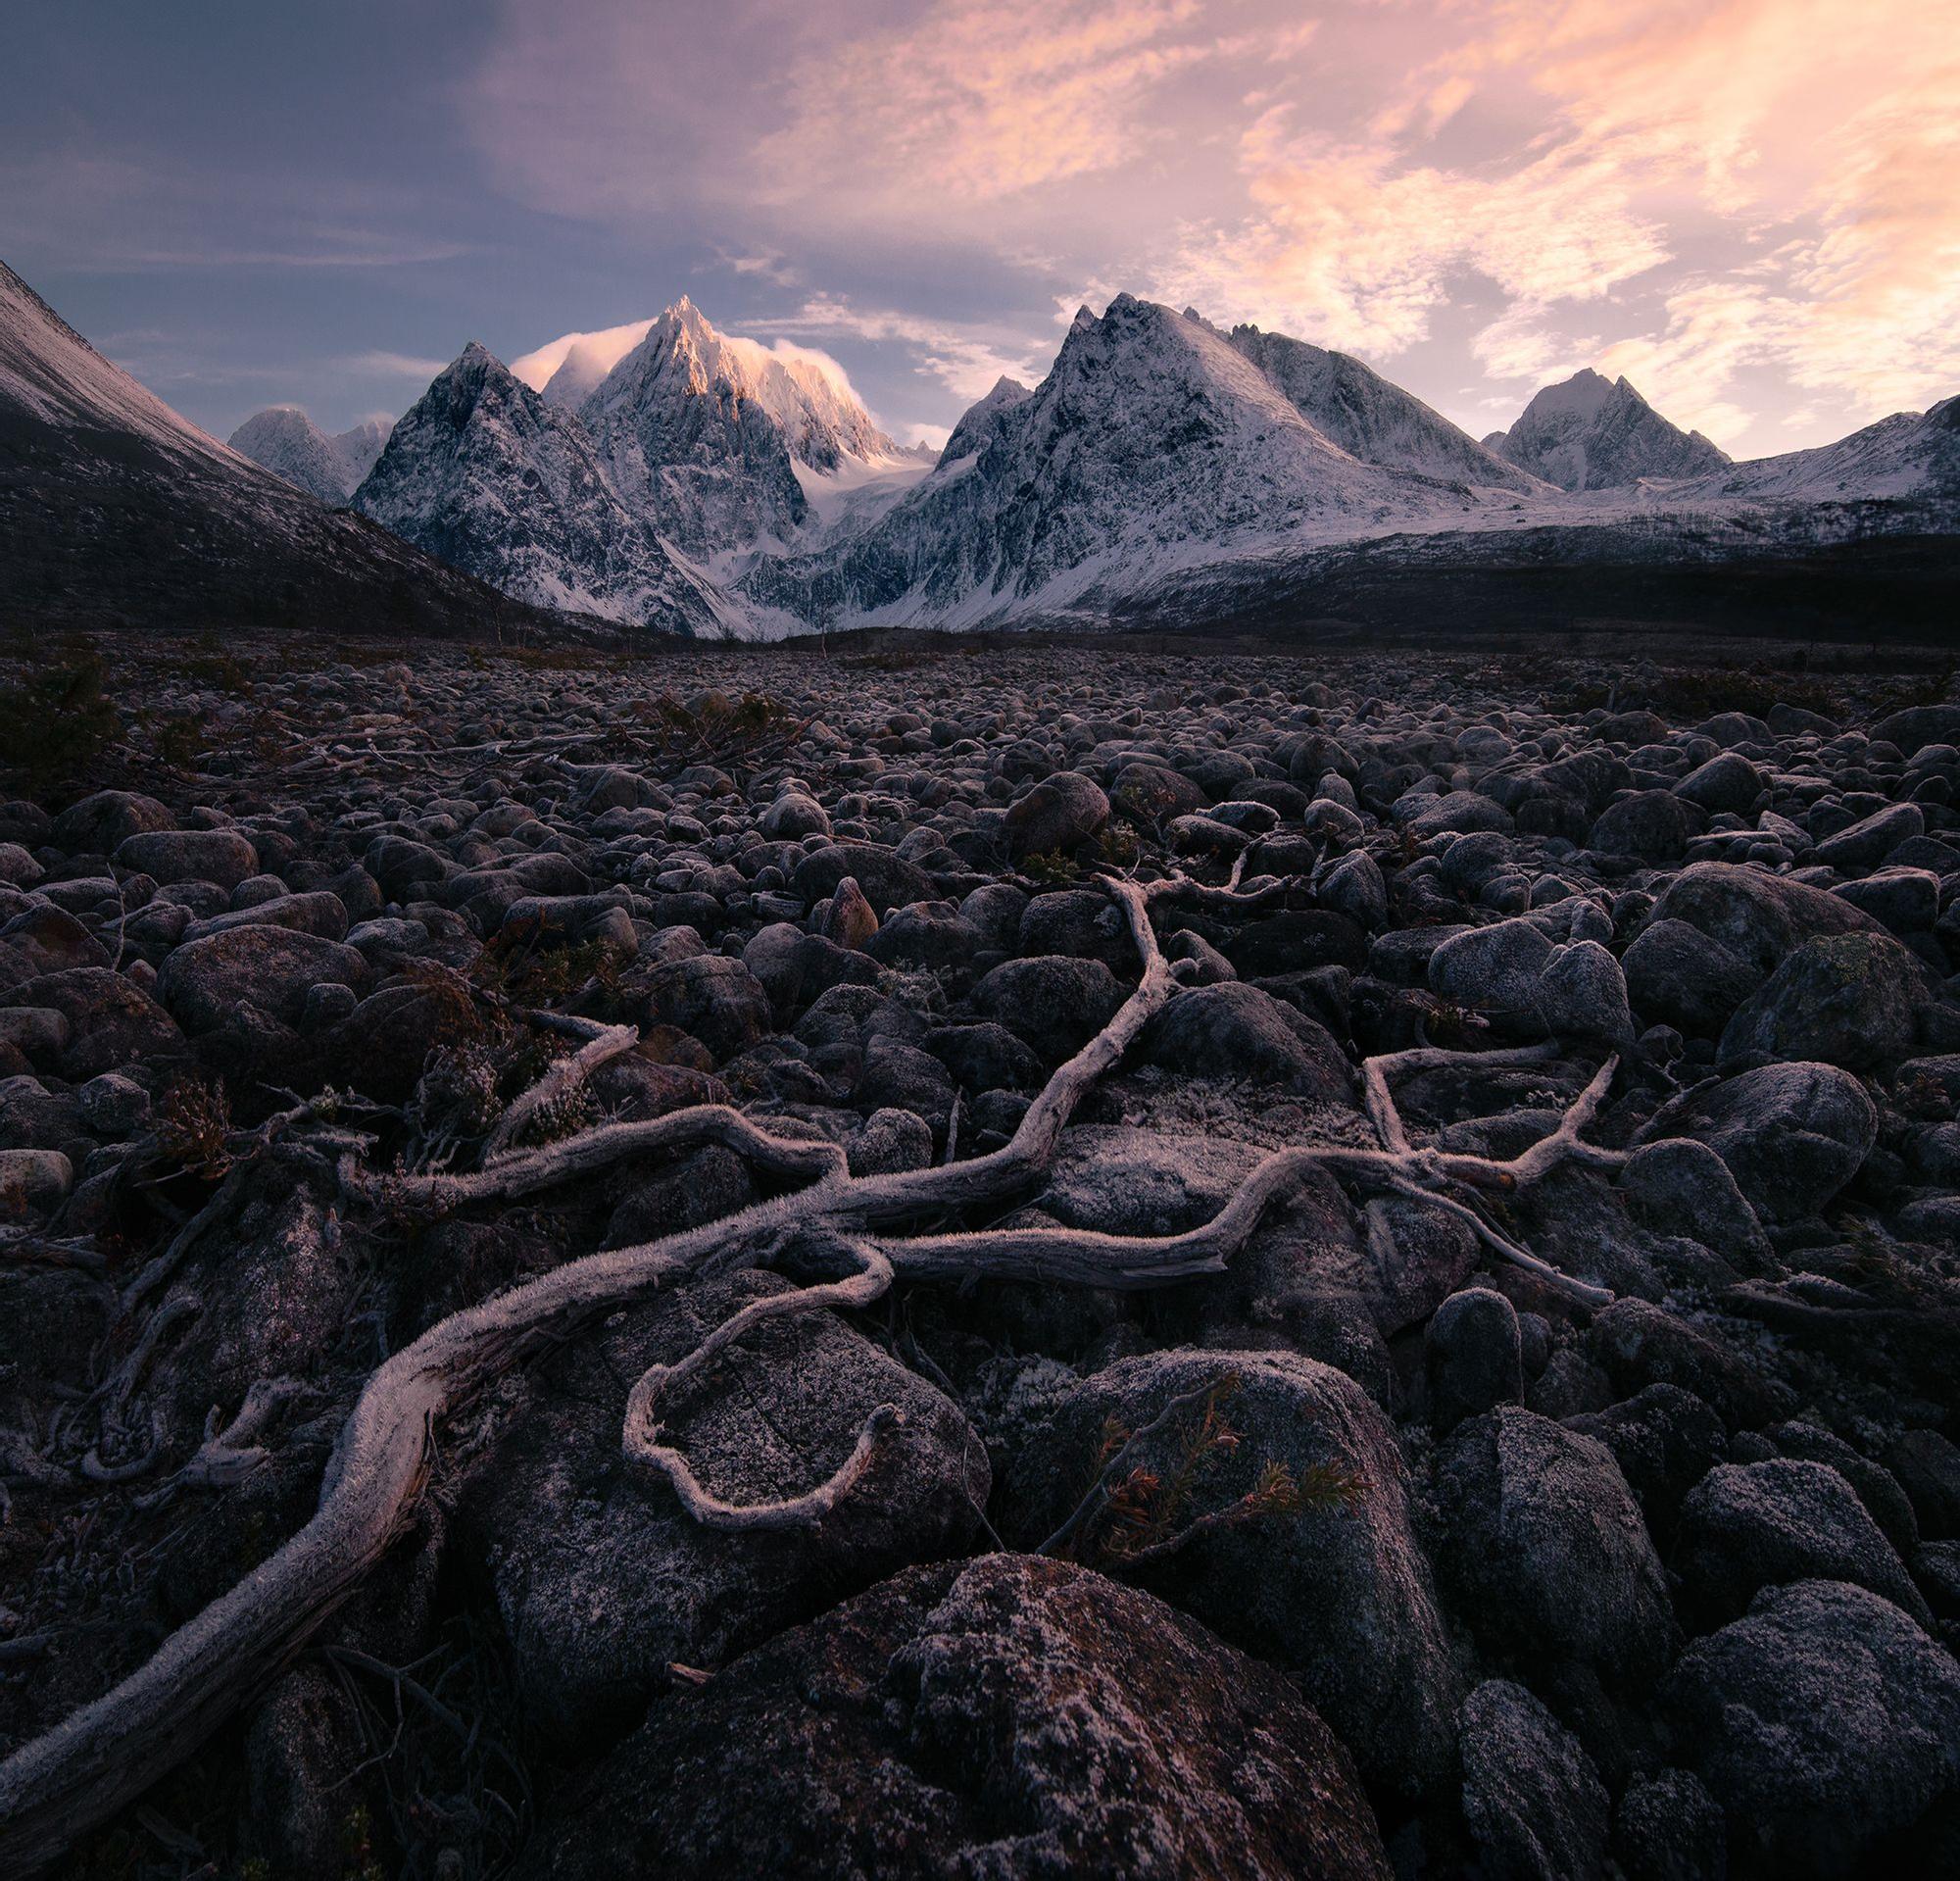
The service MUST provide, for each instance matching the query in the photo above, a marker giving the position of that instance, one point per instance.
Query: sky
(1751, 208)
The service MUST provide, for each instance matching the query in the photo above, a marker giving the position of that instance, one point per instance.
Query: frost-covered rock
(1004, 1717)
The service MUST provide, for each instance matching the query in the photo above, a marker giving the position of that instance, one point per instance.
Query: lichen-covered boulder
(1822, 1720)
(1337, 1590)
(1548, 1554)
(1007, 1717)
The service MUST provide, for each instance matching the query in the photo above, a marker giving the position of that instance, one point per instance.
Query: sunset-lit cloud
(1750, 207)
(967, 360)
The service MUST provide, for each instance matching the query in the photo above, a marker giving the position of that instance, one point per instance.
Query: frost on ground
(977, 1259)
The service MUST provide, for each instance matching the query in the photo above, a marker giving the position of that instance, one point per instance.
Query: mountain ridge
(114, 509)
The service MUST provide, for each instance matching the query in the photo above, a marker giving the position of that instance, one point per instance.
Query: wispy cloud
(1750, 205)
(966, 360)
(93, 211)
(384, 364)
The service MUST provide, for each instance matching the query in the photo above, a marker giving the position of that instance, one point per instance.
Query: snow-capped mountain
(1591, 432)
(113, 507)
(1911, 454)
(717, 439)
(285, 441)
(486, 474)
(686, 442)
(361, 447)
(1154, 444)
(1370, 418)
(1163, 470)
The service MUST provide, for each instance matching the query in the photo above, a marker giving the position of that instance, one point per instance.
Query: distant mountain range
(116, 511)
(1164, 469)
(286, 442)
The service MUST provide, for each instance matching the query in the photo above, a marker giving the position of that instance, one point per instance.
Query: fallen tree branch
(56, 1788)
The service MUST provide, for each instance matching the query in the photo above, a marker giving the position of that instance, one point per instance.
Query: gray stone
(1536, 1808)
(1791, 1135)
(1338, 1593)
(1748, 1526)
(1821, 1721)
(1548, 1554)
(603, 1579)
(1005, 1717)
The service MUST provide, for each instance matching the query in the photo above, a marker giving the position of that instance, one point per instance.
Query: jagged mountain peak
(486, 472)
(1589, 433)
(1583, 395)
(981, 418)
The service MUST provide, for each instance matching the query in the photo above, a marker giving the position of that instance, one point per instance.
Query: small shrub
(1149, 1513)
(56, 723)
(193, 1119)
(1049, 869)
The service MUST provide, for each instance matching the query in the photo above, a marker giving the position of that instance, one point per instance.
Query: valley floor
(956, 1255)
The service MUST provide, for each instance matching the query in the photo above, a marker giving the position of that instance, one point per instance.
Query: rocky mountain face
(1372, 419)
(683, 441)
(1155, 443)
(493, 477)
(282, 439)
(978, 422)
(113, 509)
(1591, 433)
(704, 433)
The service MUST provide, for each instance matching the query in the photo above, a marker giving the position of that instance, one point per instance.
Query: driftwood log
(57, 1788)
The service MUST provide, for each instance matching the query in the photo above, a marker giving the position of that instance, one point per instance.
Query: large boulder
(1914, 727)
(1871, 838)
(1792, 1136)
(1821, 1721)
(1052, 1003)
(1524, 984)
(1727, 781)
(1759, 917)
(1233, 1031)
(1534, 1806)
(884, 876)
(1113, 1178)
(1638, 1344)
(1548, 1554)
(1057, 815)
(1843, 999)
(112, 1022)
(97, 825)
(204, 983)
(1336, 1590)
(713, 999)
(1665, 1440)
(1678, 976)
(220, 856)
(1007, 1717)
(602, 1577)
(1748, 1526)
(1678, 1186)
(45, 939)
(1649, 823)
